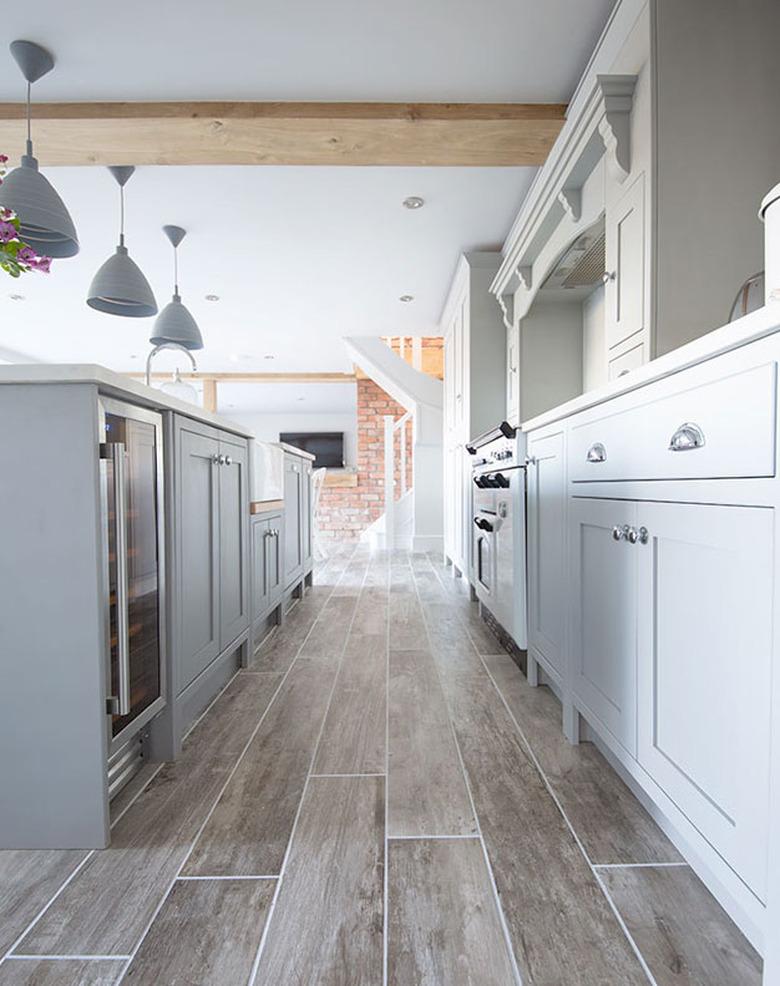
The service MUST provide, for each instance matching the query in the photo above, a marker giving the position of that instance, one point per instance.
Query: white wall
(267, 427)
(594, 345)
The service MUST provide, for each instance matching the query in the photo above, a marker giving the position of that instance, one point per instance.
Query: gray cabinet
(267, 573)
(211, 535)
(297, 518)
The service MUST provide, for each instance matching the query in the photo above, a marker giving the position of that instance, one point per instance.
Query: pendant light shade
(176, 387)
(46, 225)
(119, 287)
(175, 324)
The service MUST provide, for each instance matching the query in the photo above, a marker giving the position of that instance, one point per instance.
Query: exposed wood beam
(207, 378)
(210, 394)
(286, 133)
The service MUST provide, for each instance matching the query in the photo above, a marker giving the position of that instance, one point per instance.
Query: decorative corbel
(617, 97)
(506, 302)
(525, 277)
(571, 200)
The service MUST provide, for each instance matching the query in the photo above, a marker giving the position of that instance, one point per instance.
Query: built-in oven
(498, 528)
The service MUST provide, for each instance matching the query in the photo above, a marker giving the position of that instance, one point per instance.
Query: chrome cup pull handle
(596, 453)
(688, 436)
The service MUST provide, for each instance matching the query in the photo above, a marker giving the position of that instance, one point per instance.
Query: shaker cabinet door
(197, 537)
(603, 614)
(705, 627)
(261, 589)
(625, 261)
(546, 552)
(233, 521)
(293, 532)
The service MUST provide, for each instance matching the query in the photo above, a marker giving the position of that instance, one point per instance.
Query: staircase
(413, 516)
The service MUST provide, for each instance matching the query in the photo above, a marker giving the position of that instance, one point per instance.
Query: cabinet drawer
(720, 417)
(630, 360)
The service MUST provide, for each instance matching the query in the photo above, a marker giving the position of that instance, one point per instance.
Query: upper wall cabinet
(641, 226)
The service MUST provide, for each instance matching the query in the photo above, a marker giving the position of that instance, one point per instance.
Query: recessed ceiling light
(406, 298)
(300, 398)
(16, 297)
(413, 202)
(212, 297)
(133, 356)
(269, 356)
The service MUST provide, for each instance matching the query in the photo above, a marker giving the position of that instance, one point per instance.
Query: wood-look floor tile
(684, 935)
(353, 738)
(451, 645)
(28, 881)
(609, 821)
(329, 635)
(407, 626)
(427, 792)
(327, 925)
(107, 905)
(443, 921)
(280, 648)
(207, 932)
(371, 612)
(61, 972)
(248, 832)
(225, 730)
(562, 927)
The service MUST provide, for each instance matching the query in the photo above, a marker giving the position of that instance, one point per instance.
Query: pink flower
(43, 264)
(3, 158)
(26, 255)
(7, 232)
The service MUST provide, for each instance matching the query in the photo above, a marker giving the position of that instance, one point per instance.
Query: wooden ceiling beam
(181, 133)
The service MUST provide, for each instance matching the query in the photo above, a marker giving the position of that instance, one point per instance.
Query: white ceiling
(287, 398)
(438, 50)
(300, 257)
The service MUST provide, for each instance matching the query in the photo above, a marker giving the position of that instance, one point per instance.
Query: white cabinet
(474, 392)
(603, 607)
(625, 263)
(705, 645)
(546, 552)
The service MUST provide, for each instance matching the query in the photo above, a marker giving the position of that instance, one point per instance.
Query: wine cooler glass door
(131, 448)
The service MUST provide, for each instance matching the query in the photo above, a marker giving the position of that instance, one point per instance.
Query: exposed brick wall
(346, 511)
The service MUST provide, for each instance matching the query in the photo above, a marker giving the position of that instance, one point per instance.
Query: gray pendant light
(174, 323)
(46, 225)
(119, 287)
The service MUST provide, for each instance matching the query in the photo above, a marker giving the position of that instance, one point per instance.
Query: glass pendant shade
(119, 287)
(178, 388)
(175, 324)
(46, 225)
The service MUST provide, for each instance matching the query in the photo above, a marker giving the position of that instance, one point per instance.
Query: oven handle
(115, 453)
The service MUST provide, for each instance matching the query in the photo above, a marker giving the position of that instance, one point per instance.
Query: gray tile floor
(379, 799)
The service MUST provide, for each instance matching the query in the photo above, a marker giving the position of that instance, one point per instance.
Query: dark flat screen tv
(327, 447)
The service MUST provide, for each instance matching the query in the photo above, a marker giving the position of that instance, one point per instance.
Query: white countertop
(294, 451)
(764, 322)
(115, 385)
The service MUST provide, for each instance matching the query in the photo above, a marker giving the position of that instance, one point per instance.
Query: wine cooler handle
(117, 454)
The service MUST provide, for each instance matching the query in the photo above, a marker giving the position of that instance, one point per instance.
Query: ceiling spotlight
(269, 356)
(300, 398)
(406, 298)
(413, 202)
(16, 297)
(212, 297)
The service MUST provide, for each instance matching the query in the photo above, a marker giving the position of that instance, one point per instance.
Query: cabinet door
(293, 534)
(546, 547)
(603, 614)
(233, 523)
(705, 629)
(625, 261)
(197, 554)
(274, 573)
(306, 493)
(261, 588)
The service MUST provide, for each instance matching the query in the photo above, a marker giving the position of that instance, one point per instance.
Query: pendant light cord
(29, 125)
(121, 215)
(175, 271)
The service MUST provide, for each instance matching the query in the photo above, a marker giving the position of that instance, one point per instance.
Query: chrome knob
(643, 535)
(215, 459)
(633, 535)
(228, 461)
(221, 460)
(618, 533)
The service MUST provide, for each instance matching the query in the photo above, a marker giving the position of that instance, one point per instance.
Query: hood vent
(589, 268)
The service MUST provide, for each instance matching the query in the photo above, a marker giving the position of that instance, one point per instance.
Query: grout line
(214, 805)
(192, 879)
(288, 849)
(65, 958)
(428, 838)
(639, 866)
(45, 908)
(491, 876)
(356, 774)
(571, 828)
